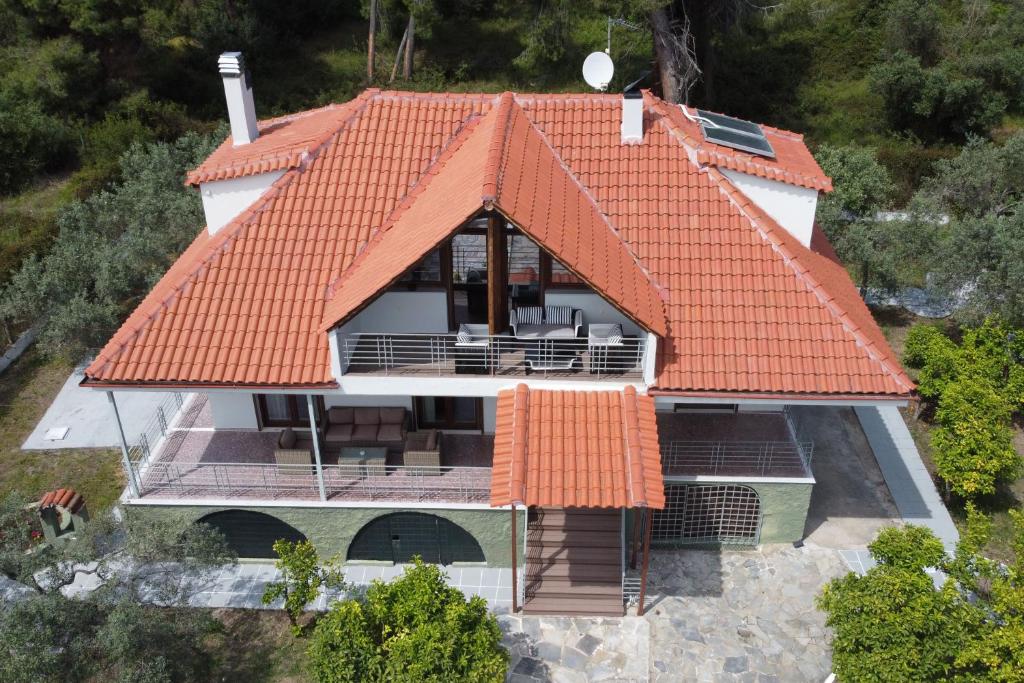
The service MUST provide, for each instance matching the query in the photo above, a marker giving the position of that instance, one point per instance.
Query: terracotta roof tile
(747, 308)
(576, 449)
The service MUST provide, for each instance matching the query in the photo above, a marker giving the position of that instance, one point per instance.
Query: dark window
(705, 408)
(427, 271)
(286, 410)
(448, 412)
(252, 534)
(401, 536)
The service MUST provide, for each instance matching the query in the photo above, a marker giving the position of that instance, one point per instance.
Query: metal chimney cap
(231, 64)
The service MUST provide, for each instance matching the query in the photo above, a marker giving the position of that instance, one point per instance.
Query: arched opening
(400, 536)
(252, 534)
(708, 514)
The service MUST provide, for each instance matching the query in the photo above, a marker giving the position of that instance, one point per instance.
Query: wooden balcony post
(126, 462)
(497, 275)
(316, 446)
(515, 577)
(648, 526)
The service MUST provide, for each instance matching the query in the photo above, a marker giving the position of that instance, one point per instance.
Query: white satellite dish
(598, 70)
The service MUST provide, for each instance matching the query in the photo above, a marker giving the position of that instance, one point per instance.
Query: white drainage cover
(56, 433)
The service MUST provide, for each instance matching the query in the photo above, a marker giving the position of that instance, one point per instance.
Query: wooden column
(648, 525)
(515, 576)
(497, 275)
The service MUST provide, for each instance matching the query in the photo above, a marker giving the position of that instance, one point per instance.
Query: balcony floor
(729, 445)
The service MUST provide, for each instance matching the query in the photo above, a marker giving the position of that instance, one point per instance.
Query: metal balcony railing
(349, 482)
(737, 458)
(500, 355)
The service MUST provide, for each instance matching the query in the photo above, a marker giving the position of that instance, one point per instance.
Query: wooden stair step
(571, 538)
(574, 590)
(611, 571)
(575, 606)
(583, 555)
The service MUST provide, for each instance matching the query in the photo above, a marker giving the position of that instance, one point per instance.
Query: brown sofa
(351, 426)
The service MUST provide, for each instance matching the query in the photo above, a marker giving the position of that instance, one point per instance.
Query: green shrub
(416, 628)
(917, 347)
(973, 444)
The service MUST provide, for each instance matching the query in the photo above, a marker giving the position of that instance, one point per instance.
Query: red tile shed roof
(595, 449)
(748, 309)
(501, 161)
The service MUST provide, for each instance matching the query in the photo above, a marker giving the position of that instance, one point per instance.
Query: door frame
(449, 412)
(299, 413)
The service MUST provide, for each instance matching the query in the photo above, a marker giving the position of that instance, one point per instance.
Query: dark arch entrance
(252, 534)
(400, 536)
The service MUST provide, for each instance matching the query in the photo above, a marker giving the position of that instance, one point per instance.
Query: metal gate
(708, 514)
(401, 536)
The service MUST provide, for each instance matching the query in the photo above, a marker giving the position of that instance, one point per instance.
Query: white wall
(793, 207)
(232, 409)
(595, 308)
(490, 408)
(411, 312)
(225, 199)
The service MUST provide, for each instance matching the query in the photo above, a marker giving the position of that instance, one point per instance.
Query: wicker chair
(423, 452)
(289, 458)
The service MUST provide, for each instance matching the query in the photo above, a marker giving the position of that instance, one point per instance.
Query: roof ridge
(661, 291)
(453, 145)
(631, 438)
(520, 435)
(768, 229)
(496, 150)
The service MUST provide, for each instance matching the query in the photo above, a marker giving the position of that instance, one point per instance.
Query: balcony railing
(349, 482)
(737, 458)
(499, 355)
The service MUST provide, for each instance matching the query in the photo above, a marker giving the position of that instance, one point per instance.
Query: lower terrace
(195, 461)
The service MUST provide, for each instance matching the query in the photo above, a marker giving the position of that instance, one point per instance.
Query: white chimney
(238, 92)
(632, 117)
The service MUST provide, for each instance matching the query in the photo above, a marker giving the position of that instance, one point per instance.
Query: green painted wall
(784, 510)
(331, 530)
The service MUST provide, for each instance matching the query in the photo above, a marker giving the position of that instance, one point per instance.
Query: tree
(416, 628)
(885, 252)
(134, 627)
(111, 248)
(976, 196)
(893, 624)
(302, 577)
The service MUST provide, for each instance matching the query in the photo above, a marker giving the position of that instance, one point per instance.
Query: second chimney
(632, 117)
(238, 92)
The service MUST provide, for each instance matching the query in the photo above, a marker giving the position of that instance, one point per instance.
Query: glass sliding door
(449, 412)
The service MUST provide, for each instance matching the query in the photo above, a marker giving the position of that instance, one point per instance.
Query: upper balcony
(490, 302)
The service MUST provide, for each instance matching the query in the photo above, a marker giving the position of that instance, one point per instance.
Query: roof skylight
(734, 133)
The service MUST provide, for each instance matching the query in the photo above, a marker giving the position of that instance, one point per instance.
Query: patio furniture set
(364, 436)
(549, 334)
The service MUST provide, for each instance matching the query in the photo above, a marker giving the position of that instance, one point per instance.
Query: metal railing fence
(737, 458)
(355, 482)
(445, 354)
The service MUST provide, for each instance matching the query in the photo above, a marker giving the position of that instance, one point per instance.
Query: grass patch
(26, 390)
(257, 646)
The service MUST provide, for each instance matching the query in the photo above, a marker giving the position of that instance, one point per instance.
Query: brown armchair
(423, 452)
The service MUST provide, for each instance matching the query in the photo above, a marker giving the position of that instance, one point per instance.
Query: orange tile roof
(502, 162)
(748, 309)
(594, 449)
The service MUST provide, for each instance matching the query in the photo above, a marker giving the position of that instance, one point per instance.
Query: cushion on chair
(341, 433)
(392, 416)
(431, 440)
(463, 337)
(340, 416)
(558, 315)
(366, 416)
(364, 433)
(530, 315)
(389, 432)
(287, 439)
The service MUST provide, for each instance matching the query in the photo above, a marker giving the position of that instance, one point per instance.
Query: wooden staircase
(574, 562)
